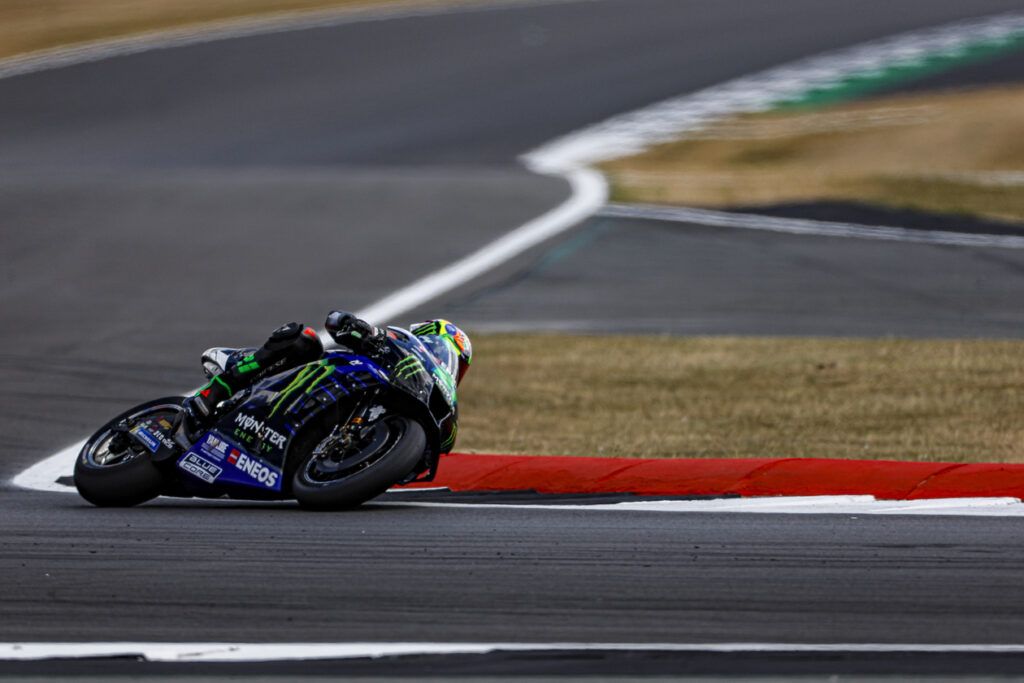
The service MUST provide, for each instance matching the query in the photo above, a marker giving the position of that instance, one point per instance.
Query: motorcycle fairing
(434, 389)
(217, 459)
(249, 445)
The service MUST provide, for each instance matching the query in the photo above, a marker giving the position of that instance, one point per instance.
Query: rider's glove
(352, 332)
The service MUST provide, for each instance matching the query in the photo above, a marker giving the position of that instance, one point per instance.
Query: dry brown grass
(28, 25)
(957, 401)
(935, 152)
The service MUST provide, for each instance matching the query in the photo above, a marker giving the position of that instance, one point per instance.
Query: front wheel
(337, 475)
(115, 471)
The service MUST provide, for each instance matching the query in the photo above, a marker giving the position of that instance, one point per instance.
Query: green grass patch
(670, 397)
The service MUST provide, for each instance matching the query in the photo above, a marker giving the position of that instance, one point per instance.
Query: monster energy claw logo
(313, 374)
(408, 367)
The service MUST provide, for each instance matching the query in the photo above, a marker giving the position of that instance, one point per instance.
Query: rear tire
(388, 452)
(121, 478)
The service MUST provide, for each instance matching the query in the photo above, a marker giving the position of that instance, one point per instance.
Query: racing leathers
(293, 345)
(287, 347)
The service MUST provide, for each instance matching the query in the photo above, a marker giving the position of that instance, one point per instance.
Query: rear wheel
(341, 473)
(112, 469)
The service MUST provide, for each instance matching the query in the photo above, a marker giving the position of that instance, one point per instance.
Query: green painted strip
(866, 83)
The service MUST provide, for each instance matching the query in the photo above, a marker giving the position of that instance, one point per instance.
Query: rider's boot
(199, 409)
(288, 346)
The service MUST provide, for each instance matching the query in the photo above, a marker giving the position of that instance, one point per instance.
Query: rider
(293, 344)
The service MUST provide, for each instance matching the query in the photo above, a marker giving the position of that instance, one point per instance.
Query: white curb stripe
(804, 226)
(631, 133)
(265, 652)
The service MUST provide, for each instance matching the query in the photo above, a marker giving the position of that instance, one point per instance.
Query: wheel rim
(100, 453)
(327, 464)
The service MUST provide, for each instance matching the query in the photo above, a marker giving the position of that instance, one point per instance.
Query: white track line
(266, 652)
(781, 505)
(44, 474)
(803, 226)
(589, 193)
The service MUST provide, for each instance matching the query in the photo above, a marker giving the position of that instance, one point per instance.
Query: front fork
(348, 433)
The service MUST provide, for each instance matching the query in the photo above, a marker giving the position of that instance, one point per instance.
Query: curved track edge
(589, 192)
(883, 479)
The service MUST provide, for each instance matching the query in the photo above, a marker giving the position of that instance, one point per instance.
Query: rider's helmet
(448, 343)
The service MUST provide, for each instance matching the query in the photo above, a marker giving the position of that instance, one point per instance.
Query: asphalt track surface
(156, 204)
(730, 281)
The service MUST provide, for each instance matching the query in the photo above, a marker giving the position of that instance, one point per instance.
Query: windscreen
(446, 356)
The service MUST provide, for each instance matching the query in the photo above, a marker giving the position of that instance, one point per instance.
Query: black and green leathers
(288, 346)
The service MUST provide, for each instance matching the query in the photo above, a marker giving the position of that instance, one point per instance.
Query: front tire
(386, 453)
(122, 477)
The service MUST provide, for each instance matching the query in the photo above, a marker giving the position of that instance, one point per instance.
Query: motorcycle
(331, 434)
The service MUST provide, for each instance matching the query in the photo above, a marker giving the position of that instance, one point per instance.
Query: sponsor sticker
(444, 381)
(150, 441)
(254, 468)
(248, 423)
(213, 447)
(168, 443)
(200, 468)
